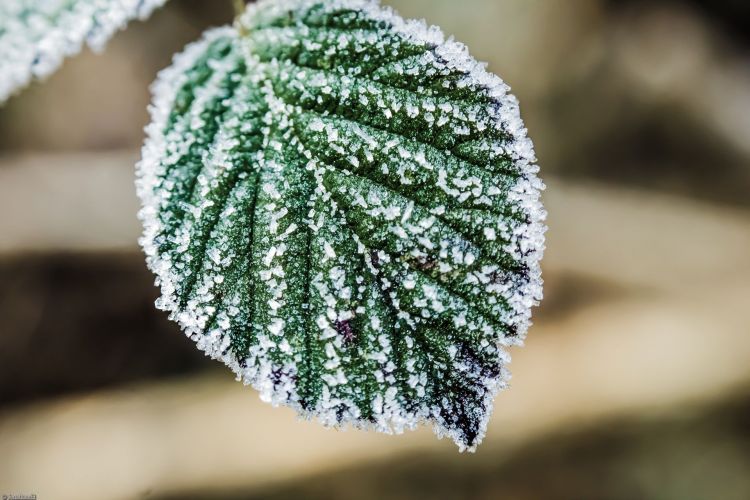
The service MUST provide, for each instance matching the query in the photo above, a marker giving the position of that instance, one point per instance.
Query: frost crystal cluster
(36, 35)
(344, 208)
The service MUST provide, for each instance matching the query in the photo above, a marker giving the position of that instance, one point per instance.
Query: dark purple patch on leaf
(344, 328)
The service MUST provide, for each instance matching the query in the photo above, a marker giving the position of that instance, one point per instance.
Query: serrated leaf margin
(526, 193)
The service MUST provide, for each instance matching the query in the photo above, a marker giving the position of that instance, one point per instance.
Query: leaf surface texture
(344, 208)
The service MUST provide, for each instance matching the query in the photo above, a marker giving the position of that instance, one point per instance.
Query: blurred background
(635, 380)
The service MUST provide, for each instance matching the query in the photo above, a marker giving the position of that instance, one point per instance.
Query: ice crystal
(37, 35)
(344, 208)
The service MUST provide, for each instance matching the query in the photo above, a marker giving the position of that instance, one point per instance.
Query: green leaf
(37, 35)
(343, 207)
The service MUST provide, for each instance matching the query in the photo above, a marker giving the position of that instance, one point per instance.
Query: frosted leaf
(343, 207)
(37, 35)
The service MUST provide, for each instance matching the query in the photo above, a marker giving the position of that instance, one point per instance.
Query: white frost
(37, 35)
(526, 240)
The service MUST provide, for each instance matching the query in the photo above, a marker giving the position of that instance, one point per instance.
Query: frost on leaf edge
(43, 57)
(526, 192)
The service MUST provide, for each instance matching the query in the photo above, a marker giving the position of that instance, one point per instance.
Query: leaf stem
(239, 7)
